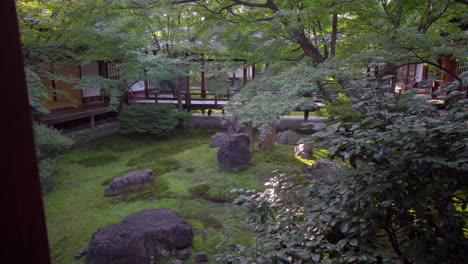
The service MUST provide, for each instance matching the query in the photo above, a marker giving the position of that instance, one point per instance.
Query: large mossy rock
(288, 137)
(303, 151)
(267, 137)
(236, 127)
(234, 154)
(218, 139)
(131, 181)
(142, 237)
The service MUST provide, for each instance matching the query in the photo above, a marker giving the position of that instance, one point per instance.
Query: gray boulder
(201, 257)
(218, 139)
(131, 181)
(236, 127)
(288, 137)
(323, 168)
(267, 137)
(234, 155)
(303, 151)
(142, 237)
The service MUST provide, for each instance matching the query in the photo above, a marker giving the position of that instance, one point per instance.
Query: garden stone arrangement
(267, 137)
(303, 151)
(142, 237)
(234, 154)
(288, 137)
(132, 181)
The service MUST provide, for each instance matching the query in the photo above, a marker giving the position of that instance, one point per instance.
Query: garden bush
(49, 143)
(340, 107)
(155, 119)
(402, 199)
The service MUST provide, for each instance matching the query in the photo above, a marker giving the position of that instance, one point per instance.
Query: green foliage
(155, 119)
(49, 141)
(340, 108)
(36, 91)
(98, 160)
(396, 203)
(46, 174)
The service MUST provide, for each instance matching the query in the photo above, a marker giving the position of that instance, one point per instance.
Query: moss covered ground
(187, 179)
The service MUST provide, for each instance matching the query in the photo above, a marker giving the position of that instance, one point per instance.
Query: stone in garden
(234, 155)
(142, 237)
(81, 253)
(267, 137)
(236, 127)
(303, 151)
(183, 254)
(218, 139)
(287, 137)
(131, 181)
(201, 257)
(322, 168)
(177, 261)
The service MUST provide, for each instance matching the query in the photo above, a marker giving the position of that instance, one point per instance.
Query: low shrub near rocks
(49, 143)
(154, 119)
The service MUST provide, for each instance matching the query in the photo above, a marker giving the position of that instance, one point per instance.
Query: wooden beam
(22, 208)
(253, 71)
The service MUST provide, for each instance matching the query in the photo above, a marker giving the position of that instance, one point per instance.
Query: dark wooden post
(253, 71)
(22, 208)
(203, 91)
(306, 115)
(245, 76)
(146, 89)
(188, 99)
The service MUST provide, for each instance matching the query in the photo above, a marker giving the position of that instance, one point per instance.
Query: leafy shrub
(46, 173)
(155, 119)
(402, 200)
(97, 160)
(49, 141)
(341, 108)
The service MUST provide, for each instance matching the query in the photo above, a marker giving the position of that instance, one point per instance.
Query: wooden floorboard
(73, 113)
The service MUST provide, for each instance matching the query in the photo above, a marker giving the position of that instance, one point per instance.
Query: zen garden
(250, 131)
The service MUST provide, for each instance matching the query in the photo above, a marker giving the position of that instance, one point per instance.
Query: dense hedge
(156, 119)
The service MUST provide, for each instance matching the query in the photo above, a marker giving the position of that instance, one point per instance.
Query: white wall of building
(90, 69)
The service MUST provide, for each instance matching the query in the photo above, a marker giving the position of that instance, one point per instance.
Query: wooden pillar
(22, 208)
(253, 71)
(245, 76)
(203, 90)
(91, 121)
(188, 99)
(146, 89)
(306, 115)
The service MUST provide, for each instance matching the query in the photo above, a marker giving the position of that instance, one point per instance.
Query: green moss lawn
(187, 179)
